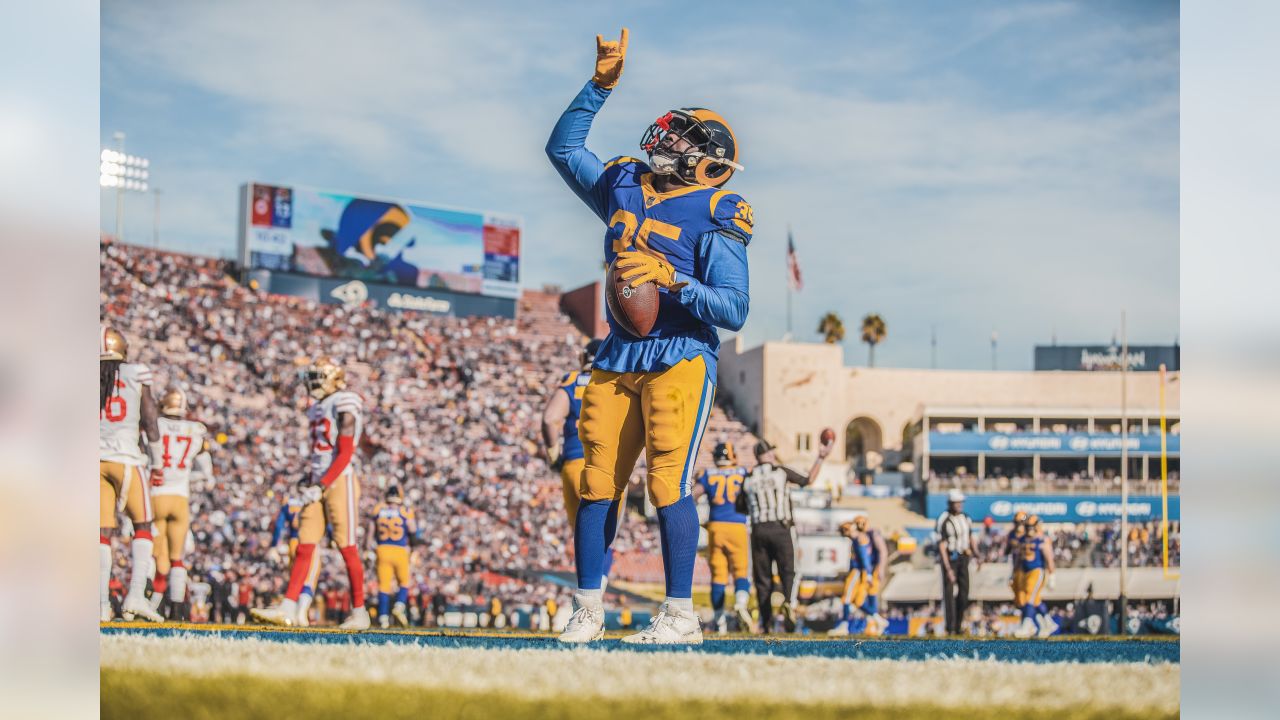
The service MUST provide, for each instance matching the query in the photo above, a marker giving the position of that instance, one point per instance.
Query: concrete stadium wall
(785, 390)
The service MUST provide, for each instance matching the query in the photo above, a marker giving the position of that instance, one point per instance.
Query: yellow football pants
(118, 480)
(858, 585)
(173, 517)
(1032, 585)
(727, 552)
(393, 564)
(571, 483)
(1019, 598)
(663, 413)
(338, 506)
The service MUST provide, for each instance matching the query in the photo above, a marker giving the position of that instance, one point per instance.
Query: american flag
(793, 265)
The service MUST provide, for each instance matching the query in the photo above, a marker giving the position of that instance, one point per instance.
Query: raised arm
(567, 146)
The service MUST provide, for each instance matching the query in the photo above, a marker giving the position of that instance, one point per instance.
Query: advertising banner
(1140, 358)
(379, 240)
(1060, 444)
(1057, 508)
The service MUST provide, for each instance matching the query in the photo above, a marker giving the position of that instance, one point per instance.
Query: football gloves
(640, 268)
(609, 57)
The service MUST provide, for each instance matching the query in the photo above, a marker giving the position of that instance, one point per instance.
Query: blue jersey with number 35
(701, 231)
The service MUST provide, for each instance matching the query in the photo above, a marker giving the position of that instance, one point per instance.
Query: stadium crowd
(1107, 483)
(452, 407)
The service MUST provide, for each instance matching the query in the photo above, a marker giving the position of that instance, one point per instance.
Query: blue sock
(608, 562)
(589, 541)
(384, 603)
(402, 596)
(679, 525)
(872, 605)
(1029, 612)
(306, 590)
(848, 612)
(741, 585)
(717, 596)
(1043, 609)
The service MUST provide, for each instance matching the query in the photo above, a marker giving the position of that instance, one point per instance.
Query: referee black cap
(763, 447)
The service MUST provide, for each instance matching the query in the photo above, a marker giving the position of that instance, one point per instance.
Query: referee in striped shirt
(766, 501)
(955, 550)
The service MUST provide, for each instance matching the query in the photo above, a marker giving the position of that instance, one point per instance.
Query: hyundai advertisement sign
(1057, 508)
(1059, 444)
(1140, 358)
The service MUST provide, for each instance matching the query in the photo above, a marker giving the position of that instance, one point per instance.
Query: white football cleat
(671, 626)
(397, 612)
(876, 625)
(105, 614)
(745, 623)
(1026, 629)
(357, 620)
(1048, 626)
(840, 630)
(585, 625)
(384, 621)
(135, 606)
(284, 614)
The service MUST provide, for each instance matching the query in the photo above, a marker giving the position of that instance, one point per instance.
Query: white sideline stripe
(603, 674)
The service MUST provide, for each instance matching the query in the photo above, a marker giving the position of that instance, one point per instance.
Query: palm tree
(831, 327)
(874, 332)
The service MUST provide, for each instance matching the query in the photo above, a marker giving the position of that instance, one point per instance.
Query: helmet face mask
(395, 495)
(711, 155)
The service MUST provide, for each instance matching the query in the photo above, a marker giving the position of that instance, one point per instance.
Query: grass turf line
(134, 693)
(588, 675)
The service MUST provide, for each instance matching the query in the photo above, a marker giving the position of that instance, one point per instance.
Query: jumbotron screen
(337, 235)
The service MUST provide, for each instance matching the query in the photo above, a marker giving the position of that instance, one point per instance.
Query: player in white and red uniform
(185, 444)
(332, 496)
(125, 409)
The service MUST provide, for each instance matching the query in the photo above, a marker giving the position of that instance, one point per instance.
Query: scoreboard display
(329, 234)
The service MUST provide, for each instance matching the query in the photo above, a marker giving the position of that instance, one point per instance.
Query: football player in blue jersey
(563, 448)
(868, 559)
(728, 551)
(1036, 562)
(668, 221)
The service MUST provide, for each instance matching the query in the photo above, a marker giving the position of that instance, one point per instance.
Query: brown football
(828, 435)
(635, 308)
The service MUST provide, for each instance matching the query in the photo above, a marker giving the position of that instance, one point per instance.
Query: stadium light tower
(124, 173)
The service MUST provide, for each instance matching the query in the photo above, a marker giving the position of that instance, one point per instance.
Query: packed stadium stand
(452, 413)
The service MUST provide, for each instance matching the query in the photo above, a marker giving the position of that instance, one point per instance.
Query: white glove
(312, 494)
(1051, 582)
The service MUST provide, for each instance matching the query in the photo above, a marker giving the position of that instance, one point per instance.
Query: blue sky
(972, 166)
